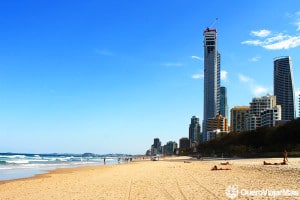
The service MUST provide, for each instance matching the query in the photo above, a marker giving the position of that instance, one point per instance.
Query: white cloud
(224, 75)
(286, 43)
(172, 64)
(196, 58)
(276, 41)
(253, 42)
(255, 59)
(297, 21)
(198, 76)
(261, 33)
(244, 78)
(257, 90)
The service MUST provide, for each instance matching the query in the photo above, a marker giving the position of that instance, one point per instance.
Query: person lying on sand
(281, 163)
(225, 163)
(216, 168)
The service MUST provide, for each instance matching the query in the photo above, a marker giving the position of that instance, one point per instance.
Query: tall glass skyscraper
(211, 77)
(284, 87)
(223, 102)
(194, 131)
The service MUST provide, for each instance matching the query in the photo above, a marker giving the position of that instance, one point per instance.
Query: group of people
(284, 162)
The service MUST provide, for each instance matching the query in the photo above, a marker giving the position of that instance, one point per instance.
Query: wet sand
(168, 178)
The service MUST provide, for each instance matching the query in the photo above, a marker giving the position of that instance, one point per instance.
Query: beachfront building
(271, 116)
(223, 102)
(257, 106)
(156, 147)
(216, 126)
(238, 118)
(284, 86)
(194, 131)
(170, 148)
(211, 78)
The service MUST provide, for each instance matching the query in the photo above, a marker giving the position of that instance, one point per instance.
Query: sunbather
(280, 163)
(216, 168)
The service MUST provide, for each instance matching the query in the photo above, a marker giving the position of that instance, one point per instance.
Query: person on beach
(225, 163)
(281, 163)
(285, 155)
(216, 168)
(104, 161)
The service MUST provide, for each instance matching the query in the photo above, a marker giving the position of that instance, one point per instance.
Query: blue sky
(110, 76)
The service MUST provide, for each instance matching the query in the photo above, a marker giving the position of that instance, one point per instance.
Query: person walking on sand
(285, 155)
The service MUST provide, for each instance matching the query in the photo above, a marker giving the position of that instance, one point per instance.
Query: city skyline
(108, 77)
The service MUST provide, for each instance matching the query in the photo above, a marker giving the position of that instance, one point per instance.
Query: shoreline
(168, 178)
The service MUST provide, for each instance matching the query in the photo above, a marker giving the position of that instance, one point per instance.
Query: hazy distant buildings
(194, 131)
(170, 148)
(156, 147)
(223, 102)
(184, 143)
(238, 118)
(211, 77)
(284, 87)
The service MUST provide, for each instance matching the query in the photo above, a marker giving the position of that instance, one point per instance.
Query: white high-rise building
(257, 106)
(271, 116)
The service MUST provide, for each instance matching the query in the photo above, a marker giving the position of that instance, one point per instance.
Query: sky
(109, 76)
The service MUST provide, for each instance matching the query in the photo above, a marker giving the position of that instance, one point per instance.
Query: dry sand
(169, 178)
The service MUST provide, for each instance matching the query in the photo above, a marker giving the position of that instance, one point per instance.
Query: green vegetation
(263, 142)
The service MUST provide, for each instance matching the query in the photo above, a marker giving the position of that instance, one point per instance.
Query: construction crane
(212, 24)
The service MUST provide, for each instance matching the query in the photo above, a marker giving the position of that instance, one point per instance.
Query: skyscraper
(211, 77)
(194, 131)
(223, 102)
(284, 86)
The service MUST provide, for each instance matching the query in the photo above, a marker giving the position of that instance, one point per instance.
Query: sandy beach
(168, 178)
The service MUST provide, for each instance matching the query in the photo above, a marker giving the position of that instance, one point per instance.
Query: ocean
(15, 166)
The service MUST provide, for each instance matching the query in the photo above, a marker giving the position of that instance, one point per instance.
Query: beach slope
(179, 178)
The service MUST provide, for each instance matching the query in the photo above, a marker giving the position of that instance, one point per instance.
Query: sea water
(15, 166)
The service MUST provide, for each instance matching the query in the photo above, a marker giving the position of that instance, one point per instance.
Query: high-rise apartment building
(223, 102)
(238, 118)
(217, 122)
(257, 106)
(194, 131)
(284, 87)
(211, 77)
(271, 116)
(216, 126)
